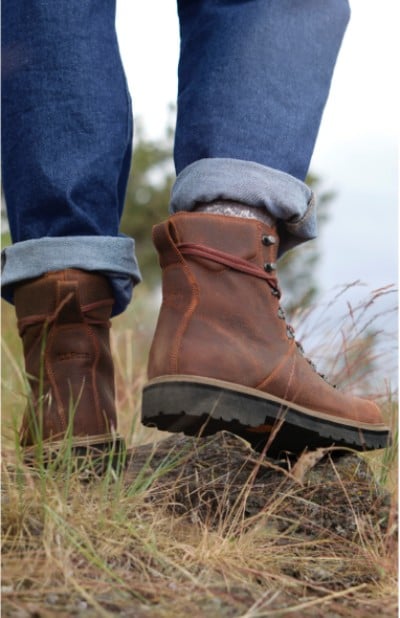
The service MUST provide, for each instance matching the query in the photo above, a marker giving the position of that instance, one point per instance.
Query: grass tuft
(200, 528)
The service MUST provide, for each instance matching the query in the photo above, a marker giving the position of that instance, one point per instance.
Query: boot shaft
(220, 299)
(63, 320)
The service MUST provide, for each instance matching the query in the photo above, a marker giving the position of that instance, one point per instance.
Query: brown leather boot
(63, 320)
(223, 356)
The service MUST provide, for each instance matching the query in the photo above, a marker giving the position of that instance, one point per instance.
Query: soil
(324, 499)
(324, 490)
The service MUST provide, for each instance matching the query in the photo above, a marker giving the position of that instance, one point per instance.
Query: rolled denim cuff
(113, 257)
(285, 197)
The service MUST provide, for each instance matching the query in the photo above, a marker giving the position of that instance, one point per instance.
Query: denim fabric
(66, 118)
(32, 258)
(254, 77)
(253, 80)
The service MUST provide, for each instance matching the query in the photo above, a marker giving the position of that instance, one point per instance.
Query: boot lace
(241, 265)
(47, 320)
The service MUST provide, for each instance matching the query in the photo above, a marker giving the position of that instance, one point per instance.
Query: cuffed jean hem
(285, 197)
(113, 257)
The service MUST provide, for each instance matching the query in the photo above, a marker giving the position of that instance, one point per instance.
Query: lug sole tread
(197, 407)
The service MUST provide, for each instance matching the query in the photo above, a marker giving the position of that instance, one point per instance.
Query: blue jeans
(254, 77)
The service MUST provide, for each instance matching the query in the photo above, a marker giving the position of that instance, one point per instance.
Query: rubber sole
(94, 453)
(203, 406)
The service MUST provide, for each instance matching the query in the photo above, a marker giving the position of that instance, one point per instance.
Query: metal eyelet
(281, 314)
(289, 333)
(275, 293)
(269, 267)
(268, 240)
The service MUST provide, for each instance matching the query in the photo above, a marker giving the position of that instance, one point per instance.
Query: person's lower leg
(66, 142)
(67, 125)
(254, 78)
(253, 81)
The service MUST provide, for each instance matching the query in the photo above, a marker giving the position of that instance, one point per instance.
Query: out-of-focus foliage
(147, 199)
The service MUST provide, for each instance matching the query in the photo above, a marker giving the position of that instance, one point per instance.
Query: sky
(356, 150)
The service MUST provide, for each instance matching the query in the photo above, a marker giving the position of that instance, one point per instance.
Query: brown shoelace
(241, 265)
(46, 320)
(227, 259)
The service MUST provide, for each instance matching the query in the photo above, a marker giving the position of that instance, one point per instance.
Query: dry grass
(191, 529)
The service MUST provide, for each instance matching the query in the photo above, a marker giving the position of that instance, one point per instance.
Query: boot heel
(64, 322)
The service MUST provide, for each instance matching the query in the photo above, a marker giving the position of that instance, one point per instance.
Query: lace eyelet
(289, 333)
(269, 267)
(268, 240)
